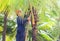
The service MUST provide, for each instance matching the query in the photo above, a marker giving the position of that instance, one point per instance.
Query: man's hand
(29, 19)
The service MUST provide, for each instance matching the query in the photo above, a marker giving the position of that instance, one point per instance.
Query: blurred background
(48, 25)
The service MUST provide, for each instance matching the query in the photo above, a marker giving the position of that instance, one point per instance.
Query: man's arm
(22, 21)
(26, 20)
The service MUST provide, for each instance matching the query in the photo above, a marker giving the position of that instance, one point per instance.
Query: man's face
(18, 13)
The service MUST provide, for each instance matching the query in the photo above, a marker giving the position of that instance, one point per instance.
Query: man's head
(18, 13)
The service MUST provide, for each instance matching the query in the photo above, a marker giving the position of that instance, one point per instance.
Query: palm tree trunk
(34, 33)
(26, 35)
(34, 24)
(33, 21)
(5, 27)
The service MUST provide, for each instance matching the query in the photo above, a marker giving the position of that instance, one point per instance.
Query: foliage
(47, 10)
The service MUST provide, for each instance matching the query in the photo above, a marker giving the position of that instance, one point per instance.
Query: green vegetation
(48, 25)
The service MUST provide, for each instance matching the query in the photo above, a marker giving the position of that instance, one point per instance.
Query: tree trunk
(34, 24)
(5, 27)
(33, 21)
(34, 33)
(27, 27)
(26, 35)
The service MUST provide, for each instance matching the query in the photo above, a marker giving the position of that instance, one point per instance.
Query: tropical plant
(48, 24)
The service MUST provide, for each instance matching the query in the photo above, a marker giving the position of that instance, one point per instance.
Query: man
(20, 36)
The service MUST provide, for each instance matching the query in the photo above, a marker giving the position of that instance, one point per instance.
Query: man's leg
(20, 36)
(17, 37)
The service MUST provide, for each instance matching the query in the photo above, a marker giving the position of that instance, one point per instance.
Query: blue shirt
(21, 23)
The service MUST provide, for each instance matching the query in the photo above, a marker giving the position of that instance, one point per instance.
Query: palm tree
(34, 23)
(46, 22)
(5, 25)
